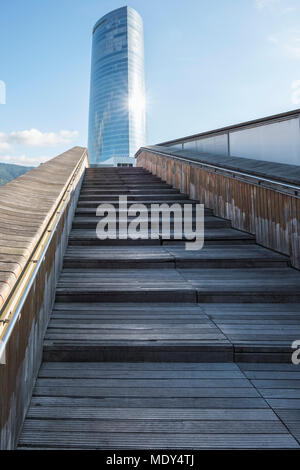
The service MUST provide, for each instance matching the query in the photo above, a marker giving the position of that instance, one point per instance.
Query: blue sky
(209, 63)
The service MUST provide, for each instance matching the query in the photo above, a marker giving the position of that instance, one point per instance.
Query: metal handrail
(11, 310)
(236, 127)
(256, 179)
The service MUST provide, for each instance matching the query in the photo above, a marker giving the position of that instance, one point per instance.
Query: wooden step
(134, 405)
(258, 332)
(145, 197)
(213, 236)
(94, 202)
(91, 211)
(131, 191)
(202, 285)
(133, 332)
(94, 186)
(81, 222)
(244, 285)
(93, 285)
(216, 256)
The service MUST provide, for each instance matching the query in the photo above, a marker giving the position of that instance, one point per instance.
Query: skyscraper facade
(117, 116)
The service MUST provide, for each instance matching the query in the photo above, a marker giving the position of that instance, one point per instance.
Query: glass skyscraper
(117, 117)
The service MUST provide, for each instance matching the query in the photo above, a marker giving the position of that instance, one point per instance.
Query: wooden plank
(145, 414)
(166, 383)
(76, 369)
(159, 441)
(147, 392)
(150, 374)
(154, 426)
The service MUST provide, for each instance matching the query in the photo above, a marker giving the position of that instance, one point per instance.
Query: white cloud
(31, 138)
(288, 43)
(293, 48)
(282, 6)
(295, 96)
(4, 145)
(289, 9)
(35, 138)
(260, 4)
(2, 92)
(23, 160)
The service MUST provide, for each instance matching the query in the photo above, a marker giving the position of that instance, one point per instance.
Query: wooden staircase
(148, 344)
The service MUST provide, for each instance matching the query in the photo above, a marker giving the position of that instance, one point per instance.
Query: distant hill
(9, 171)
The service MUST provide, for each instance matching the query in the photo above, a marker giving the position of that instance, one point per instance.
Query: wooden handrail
(262, 205)
(277, 184)
(17, 295)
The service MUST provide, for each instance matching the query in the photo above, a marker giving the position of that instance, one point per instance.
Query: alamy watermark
(2, 92)
(296, 353)
(139, 222)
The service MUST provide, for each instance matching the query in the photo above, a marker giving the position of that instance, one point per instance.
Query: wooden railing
(262, 200)
(36, 212)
